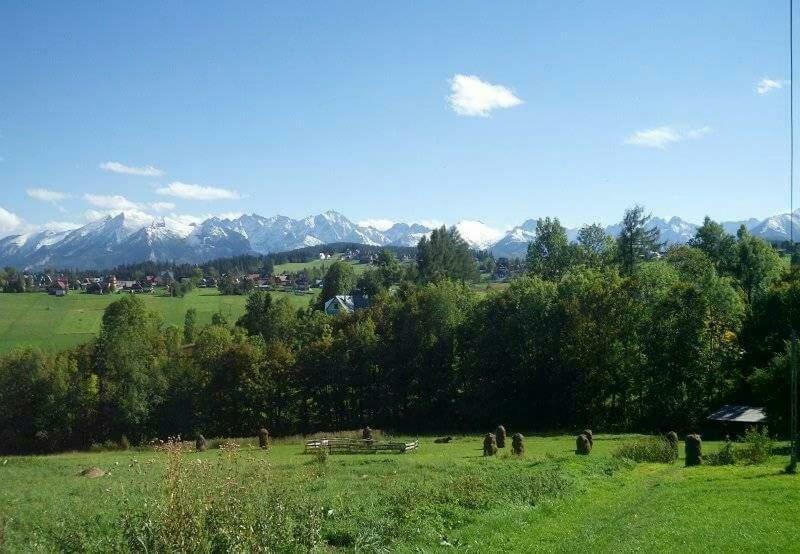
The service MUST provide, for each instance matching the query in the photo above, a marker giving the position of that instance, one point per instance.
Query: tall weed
(756, 446)
(647, 449)
(222, 505)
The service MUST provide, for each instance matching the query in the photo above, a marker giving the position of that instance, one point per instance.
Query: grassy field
(53, 323)
(294, 267)
(436, 498)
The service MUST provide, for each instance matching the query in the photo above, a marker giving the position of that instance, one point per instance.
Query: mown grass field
(294, 267)
(52, 323)
(437, 498)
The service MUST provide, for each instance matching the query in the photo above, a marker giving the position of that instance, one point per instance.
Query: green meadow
(440, 497)
(52, 323)
(296, 267)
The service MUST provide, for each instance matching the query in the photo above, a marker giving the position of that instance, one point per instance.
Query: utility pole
(792, 467)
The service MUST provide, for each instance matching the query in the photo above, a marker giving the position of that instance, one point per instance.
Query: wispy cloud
(229, 215)
(431, 223)
(379, 224)
(144, 171)
(59, 226)
(110, 202)
(197, 192)
(767, 85)
(46, 195)
(162, 206)
(138, 218)
(53, 197)
(698, 133)
(470, 96)
(661, 137)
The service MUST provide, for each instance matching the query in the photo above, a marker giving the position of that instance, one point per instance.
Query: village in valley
(303, 279)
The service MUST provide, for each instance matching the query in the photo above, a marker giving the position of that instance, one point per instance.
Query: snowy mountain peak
(132, 236)
(477, 234)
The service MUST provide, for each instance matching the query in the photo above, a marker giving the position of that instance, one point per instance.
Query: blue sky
(437, 111)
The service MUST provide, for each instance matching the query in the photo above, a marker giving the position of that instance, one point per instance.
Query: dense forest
(614, 333)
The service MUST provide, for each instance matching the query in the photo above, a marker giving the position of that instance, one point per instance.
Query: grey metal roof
(739, 414)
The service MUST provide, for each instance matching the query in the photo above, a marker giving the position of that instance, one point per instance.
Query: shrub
(757, 446)
(725, 457)
(107, 446)
(321, 455)
(647, 449)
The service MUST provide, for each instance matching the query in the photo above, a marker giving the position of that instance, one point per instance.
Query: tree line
(612, 333)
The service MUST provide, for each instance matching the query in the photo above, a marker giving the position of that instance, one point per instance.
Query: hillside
(52, 323)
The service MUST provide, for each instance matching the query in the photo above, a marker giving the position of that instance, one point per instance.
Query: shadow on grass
(773, 473)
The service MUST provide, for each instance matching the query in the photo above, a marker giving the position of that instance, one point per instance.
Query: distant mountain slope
(127, 238)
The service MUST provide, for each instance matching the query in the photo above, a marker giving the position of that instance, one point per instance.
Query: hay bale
(366, 433)
(500, 433)
(442, 440)
(583, 445)
(263, 438)
(588, 433)
(92, 472)
(672, 439)
(517, 447)
(489, 445)
(200, 444)
(694, 450)
(43, 442)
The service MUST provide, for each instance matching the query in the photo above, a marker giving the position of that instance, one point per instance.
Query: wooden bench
(358, 446)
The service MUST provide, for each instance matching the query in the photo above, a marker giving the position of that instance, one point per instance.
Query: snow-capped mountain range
(125, 238)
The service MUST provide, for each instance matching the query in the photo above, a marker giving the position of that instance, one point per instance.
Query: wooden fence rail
(358, 446)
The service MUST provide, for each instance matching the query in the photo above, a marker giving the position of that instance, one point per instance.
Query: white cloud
(136, 217)
(145, 171)
(767, 85)
(470, 96)
(162, 206)
(698, 133)
(9, 222)
(230, 215)
(46, 195)
(431, 223)
(188, 219)
(94, 215)
(59, 226)
(197, 192)
(661, 137)
(111, 202)
(379, 224)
